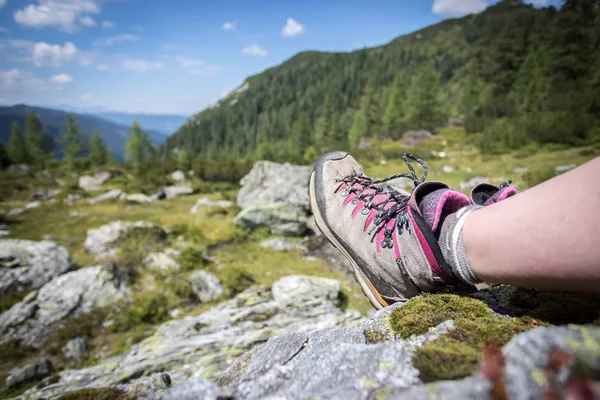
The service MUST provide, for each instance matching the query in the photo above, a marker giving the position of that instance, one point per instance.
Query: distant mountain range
(114, 133)
(166, 124)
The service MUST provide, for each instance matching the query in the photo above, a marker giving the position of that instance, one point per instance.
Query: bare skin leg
(547, 237)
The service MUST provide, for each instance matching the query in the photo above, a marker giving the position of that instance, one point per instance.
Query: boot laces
(399, 201)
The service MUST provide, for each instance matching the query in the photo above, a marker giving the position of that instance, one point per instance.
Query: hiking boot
(389, 237)
(486, 194)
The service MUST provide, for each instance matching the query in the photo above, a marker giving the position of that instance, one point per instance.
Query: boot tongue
(440, 203)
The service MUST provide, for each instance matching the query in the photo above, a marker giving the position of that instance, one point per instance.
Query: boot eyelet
(345, 192)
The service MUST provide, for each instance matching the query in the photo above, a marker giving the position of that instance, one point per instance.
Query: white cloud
(142, 65)
(87, 21)
(55, 55)
(61, 79)
(255, 50)
(85, 96)
(2, 3)
(125, 37)
(107, 25)
(458, 8)
(292, 28)
(230, 26)
(61, 14)
(14, 81)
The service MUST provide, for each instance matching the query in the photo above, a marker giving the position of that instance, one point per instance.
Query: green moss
(146, 308)
(429, 310)
(375, 336)
(435, 361)
(95, 394)
(238, 280)
(180, 287)
(12, 297)
(16, 390)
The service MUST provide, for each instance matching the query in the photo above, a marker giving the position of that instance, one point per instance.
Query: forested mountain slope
(516, 73)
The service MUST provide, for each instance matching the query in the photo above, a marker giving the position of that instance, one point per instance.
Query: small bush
(135, 248)
(192, 258)
(146, 308)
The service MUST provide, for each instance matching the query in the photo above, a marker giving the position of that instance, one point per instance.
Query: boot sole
(367, 287)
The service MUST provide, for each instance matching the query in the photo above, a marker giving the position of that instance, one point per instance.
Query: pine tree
(98, 151)
(369, 106)
(34, 136)
(393, 116)
(4, 159)
(323, 134)
(472, 98)
(138, 149)
(183, 160)
(358, 129)
(18, 151)
(300, 139)
(73, 145)
(423, 108)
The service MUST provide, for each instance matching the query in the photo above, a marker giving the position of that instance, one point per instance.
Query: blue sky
(180, 56)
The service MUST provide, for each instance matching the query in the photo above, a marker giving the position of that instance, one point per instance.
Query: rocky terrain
(234, 294)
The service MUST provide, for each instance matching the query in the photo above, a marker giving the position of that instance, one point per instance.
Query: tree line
(515, 74)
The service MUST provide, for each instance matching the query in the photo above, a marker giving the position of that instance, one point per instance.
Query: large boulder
(281, 218)
(27, 264)
(165, 260)
(107, 237)
(110, 195)
(94, 182)
(270, 182)
(178, 176)
(204, 345)
(44, 311)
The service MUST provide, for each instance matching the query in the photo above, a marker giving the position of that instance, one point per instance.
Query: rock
(565, 168)
(383, 162)
(280, 218)
(192, 389)
(163, 261)
(4, 232)
(175, 191)
(93, 183)
(206, 202)
(279, 244)
(27, 264)
(29, 373)
(138, 198)
(75, 350)
(205, 286)
(105, 238)
(147, 386)
(203, 345)
(19, 168)
(16, 212)
(71, 198)
(471, 183)
(304, 288)
(44, 194)
(178, 176)
(269, 182)
(159, 195)
(44, 311)
(521, 171)
(415, 138)
(447, 169)
(111, 194)
(34, 204)
(442, 154)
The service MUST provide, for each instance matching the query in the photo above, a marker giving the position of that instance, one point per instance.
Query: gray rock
(19, 168)
(206, 286)
(269, 182)
(280, 218)
(178, 190)
(4, 232)
(138, 198)
(34, 204)
(415, 138)
(306, 289)
(203, 345)
(148, 386)
(159, 195)
(111, 194)
(447, 169)
(163, 261)
(279, 244)
(178, 176)
(75, 350)
(27, 264)
(44, 194)
(206, 202)
(15, 212)
(64, 297)
(105, 238)
(471, 183)
(92, 183)
(565, 168)
(30, 372)
(193, 389)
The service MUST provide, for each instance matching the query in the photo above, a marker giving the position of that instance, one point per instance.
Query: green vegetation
(73, 145)
(11, 297)
(516, 75)
(146, 308)
(138, 150)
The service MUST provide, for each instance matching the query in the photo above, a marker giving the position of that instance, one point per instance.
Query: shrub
(146, 308)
